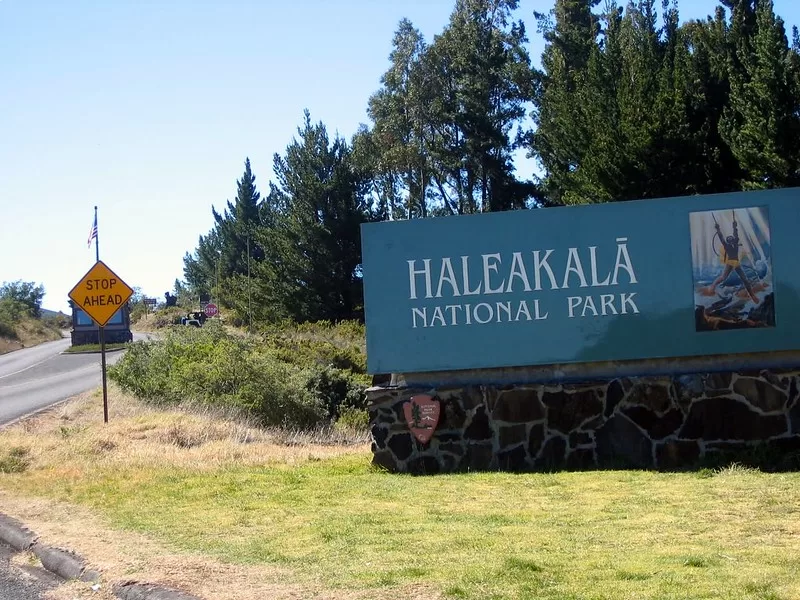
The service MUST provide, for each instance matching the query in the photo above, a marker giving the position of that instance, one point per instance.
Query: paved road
(34, 378)
(16, 584)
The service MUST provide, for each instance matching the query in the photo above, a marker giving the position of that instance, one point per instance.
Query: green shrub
(16, 460)
(7, 329)
(353, 419)
(166, 317)
(208, 366)
(291, 378)
(336, 389)
(11, 313)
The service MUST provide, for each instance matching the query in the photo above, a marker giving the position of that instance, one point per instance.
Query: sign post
(101, 293)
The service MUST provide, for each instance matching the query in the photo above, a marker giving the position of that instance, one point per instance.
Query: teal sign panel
(675, 277)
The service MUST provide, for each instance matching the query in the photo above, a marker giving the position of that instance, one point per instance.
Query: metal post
(103, 363)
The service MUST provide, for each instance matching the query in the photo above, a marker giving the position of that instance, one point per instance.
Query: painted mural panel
(732, 269)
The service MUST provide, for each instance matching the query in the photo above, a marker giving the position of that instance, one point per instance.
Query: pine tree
(235, 228)
(446, 120)
(320, 202)
(400, 164)
(761, 122)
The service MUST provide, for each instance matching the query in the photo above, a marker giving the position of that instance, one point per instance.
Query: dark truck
(85, 330)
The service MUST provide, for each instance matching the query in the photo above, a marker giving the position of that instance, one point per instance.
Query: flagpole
(101, 333)
(96, 236)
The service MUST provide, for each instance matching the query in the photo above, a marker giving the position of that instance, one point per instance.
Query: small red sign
(422, 416)
(211, 310)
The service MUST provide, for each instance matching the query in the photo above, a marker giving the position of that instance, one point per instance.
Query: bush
(11, 313)
(166, 317)
(353, 419)
(7, 329)
(209, 366)
(336, 389)
(15, 460)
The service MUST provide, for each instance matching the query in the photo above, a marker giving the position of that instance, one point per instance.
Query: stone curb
(69, 565)
(15, 534)
(131, 590)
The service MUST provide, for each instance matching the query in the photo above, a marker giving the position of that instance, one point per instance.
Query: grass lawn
(324, 516)
(94, 348)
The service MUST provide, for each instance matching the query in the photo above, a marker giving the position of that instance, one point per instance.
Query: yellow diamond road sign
(100, 293)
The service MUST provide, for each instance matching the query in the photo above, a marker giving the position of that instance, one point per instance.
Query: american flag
(92, 232)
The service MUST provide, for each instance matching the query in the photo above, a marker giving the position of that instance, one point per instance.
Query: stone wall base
(631, 422)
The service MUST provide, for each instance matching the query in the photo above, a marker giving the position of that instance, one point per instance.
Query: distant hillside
(52, 313)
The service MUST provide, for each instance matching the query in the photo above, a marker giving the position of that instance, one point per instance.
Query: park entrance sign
(676, 277)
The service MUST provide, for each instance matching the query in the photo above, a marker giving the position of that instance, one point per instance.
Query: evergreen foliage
(27, 295)
(446, 118)
(629, 103)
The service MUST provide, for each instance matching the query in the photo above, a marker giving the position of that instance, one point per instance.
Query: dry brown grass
(7, 345)
(138, 435)
(71, 440)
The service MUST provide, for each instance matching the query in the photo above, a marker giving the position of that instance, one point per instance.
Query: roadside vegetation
(234, 510)
(292, 376)
(22, 320)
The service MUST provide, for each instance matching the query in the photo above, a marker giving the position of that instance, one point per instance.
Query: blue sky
(147, 109)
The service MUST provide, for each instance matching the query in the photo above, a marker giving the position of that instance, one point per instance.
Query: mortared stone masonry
(663, 422)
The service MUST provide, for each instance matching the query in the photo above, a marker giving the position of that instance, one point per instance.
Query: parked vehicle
(194, 318)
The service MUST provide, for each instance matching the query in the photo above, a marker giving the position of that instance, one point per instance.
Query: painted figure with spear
(730, 257)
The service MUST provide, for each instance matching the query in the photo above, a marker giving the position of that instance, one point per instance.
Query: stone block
(535, 439)
(580, 459)
(689, 388)
(479, 428)
(423, 465)
(512, 435)
(514, 459)
(614, 395)
(724, 418)
(553, 454)
(566, 412)
(379, 435)
(478, 457)
(452, 448)
(656, 427)
(471, 397)
(520, 405)
(717, 381)
(453, 415)
(401, 445)
(677, 454)
(654, 396)
(386, 460)
(580, 438)
(621, 443)
(761, 394)
(794, 419)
